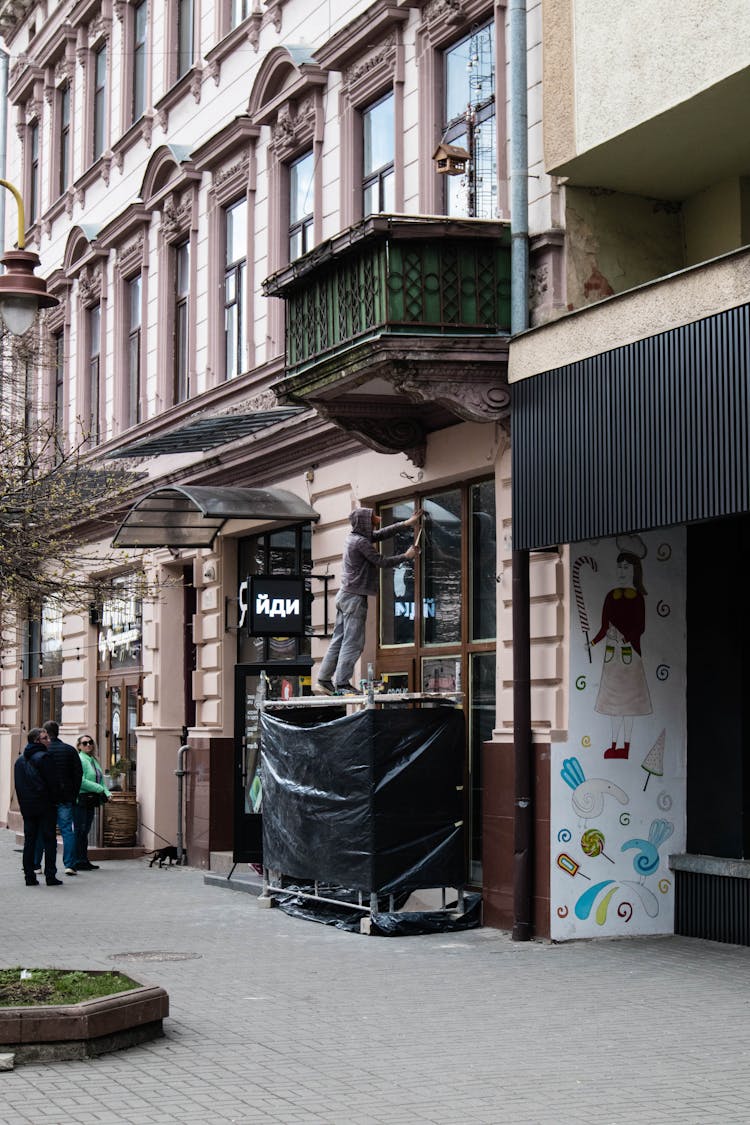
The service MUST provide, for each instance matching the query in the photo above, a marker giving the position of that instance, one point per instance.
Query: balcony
(398, 326)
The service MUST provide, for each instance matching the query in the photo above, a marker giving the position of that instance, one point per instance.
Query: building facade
(630, 449)
(275, 303)
(267, 286)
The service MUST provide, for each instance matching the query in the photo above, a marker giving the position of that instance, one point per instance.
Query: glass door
(253, 684)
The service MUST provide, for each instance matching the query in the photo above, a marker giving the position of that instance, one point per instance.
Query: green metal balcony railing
(395, 275)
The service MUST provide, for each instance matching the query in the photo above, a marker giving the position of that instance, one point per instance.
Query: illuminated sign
(275, 605)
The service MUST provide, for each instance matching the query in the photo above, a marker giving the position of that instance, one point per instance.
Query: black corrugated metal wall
(647, 435)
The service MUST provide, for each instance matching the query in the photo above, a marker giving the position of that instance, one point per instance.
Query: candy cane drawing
(583, 617)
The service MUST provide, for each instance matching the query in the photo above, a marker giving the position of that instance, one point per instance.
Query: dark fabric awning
(193, 515)
(207, 433)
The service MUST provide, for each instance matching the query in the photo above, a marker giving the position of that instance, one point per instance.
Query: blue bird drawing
(647, 860)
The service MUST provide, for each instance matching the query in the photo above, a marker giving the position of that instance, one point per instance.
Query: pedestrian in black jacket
(35, 780)
(69, 772)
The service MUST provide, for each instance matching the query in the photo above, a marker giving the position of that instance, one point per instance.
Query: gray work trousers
(347, 641)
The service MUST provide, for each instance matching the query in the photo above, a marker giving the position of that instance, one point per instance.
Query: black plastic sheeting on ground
(373, 801)
(386, 924)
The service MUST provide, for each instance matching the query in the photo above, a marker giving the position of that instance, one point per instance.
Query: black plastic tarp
(373, 801)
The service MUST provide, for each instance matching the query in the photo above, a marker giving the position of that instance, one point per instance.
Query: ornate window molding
(170, 188)
(369, 54)
(127, 238)
(229, 158)
(443, 23)
(287, 96)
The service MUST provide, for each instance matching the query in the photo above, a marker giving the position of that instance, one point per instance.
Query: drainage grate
(154, 955)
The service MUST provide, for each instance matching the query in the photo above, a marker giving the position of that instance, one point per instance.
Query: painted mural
(618, 783)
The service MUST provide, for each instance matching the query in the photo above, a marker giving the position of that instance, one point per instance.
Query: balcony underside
(390, 391)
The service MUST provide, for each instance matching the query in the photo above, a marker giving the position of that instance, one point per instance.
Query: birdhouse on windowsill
(450, 160)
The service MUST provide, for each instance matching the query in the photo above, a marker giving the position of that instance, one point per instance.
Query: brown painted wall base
(498, 818)
(209, 807)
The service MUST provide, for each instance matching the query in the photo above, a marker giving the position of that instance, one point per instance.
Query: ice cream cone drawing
(653, 763)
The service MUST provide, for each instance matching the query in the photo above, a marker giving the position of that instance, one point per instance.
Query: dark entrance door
(251, 682)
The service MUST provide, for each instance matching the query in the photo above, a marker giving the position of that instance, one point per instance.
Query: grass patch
(58, 986)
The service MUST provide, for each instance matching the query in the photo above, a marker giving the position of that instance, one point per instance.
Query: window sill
(99, 170)
(247, 31)
(190, 82)
(140, 130)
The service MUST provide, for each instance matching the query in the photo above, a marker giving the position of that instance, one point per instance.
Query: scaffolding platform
(362, 811)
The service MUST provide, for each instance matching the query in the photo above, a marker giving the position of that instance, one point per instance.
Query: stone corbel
(254, 24)
(196, 84)
(106, 168)
(384, 434)
(483, 398)
(274, 8)
(69, 201)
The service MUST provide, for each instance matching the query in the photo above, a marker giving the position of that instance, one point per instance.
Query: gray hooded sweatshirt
(361, 561)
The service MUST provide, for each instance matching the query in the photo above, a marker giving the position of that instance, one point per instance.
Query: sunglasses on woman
(87, 742)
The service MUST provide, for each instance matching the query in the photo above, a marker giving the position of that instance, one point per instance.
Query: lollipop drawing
(583, 617)
(647, 860)
(588, 796)
(653, 763)
(592, 843)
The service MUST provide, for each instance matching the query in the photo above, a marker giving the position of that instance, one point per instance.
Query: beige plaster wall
(671, 301)
(616, 242)
(717, 220)
(609, 67)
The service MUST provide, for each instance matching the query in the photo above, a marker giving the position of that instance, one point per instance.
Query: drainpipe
(4, 57)
(523, 810)
(180, 772)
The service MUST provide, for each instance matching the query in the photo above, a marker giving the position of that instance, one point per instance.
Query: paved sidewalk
(279, 1020)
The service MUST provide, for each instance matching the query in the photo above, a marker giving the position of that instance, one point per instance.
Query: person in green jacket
(93, 792)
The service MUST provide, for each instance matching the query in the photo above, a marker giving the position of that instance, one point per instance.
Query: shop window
(437, 620)
(469, 122)
(120, 617)
(287, 551)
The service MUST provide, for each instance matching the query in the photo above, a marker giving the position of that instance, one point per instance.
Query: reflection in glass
(483, 561)
(481, 722)
(469, 122)
(397, 585)
(441, 568)
(378, 184)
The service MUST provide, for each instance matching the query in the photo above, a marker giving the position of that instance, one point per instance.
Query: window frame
(64, 132)
(303, 225)
(94, 373)
(133, 290)
(435, 35)
(98, 102)
(139, 67)
(181, 336)
(237, 270)
(377, 176)
(33, 171)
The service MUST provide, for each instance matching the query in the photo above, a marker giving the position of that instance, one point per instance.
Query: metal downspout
(523, 805)
(180, 772)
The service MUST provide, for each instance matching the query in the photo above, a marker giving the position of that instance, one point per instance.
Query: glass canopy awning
(193, 515)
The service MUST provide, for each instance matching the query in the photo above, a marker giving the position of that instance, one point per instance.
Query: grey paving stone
(283, 1021)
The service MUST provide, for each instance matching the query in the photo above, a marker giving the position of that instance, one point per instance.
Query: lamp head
(22, 294)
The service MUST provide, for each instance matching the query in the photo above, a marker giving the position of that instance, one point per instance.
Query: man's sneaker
(327, 687)
(70, 871)
(54, 882)
(38, 870)
(347, 689)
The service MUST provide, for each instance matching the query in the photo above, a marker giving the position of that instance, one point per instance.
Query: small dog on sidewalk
(168, 853)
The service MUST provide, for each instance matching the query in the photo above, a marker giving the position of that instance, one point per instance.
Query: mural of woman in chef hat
(623, 691)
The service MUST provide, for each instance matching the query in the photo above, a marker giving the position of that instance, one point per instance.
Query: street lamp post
(22, 294)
